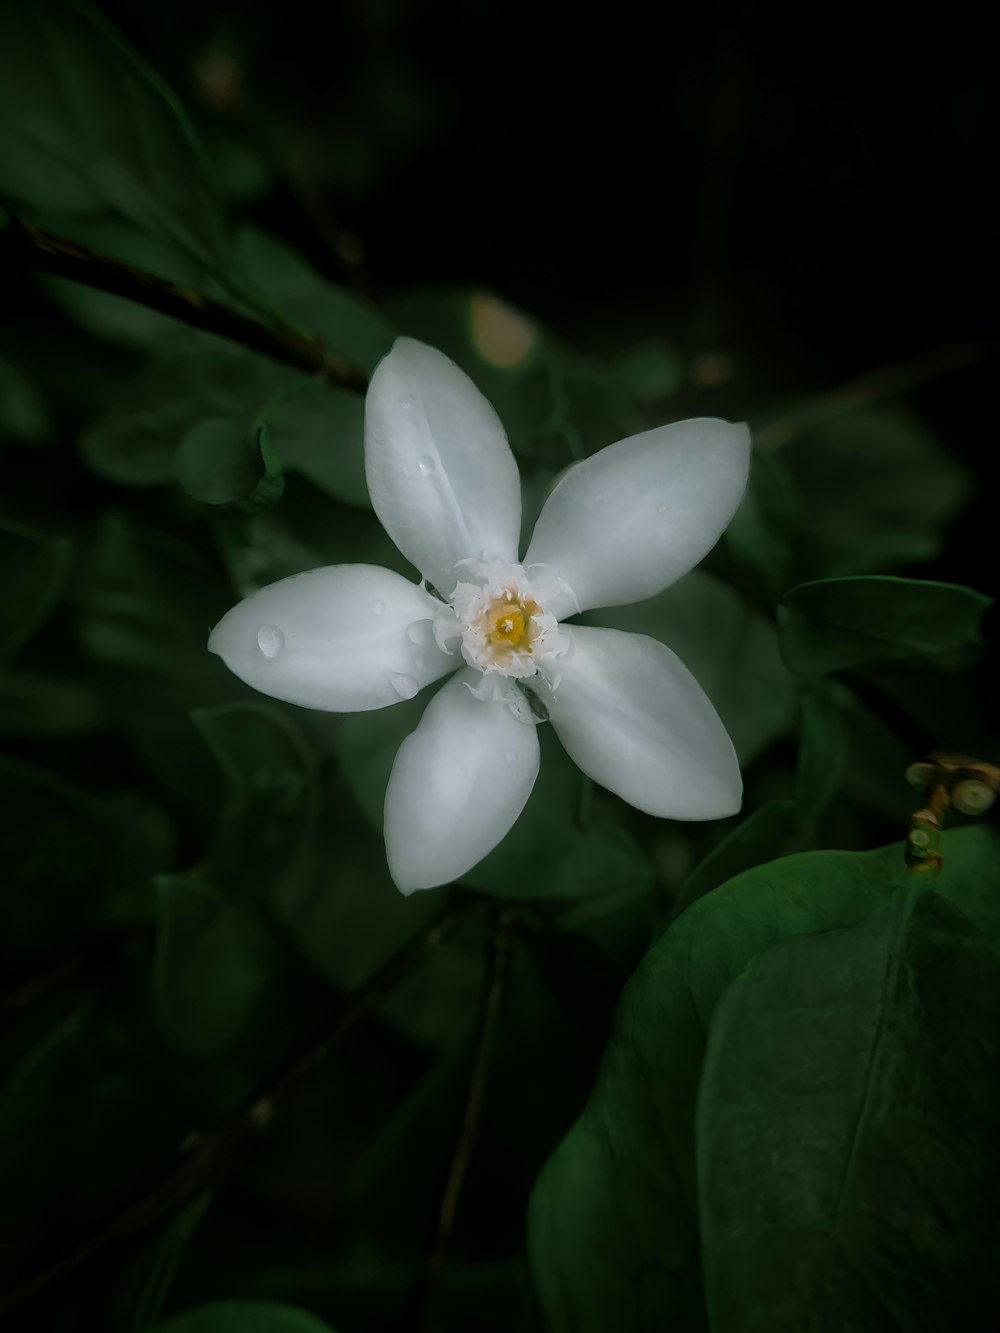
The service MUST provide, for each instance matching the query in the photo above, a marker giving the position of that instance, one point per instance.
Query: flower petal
(632, 716)
(342, 638)
(458, 784)
(628, 521)
(441, 475)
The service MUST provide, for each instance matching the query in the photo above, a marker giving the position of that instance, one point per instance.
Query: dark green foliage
(740, 1081)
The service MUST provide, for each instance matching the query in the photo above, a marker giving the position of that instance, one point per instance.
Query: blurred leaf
(87, 128)
(879, 491)
(162, 1260)
(191, 377)
(219, 463)
(273, 799)
(244, 1317)
(65, 852)
(765, 533)
(847, 1149)
(208, 968)
(24, 415)
(764, 834)
(730, 649)
(319, 432)
(349, 325)
(613, 1235)
(34, 569)
(650, 369)
(837, 624)
(36, 704)
(822, 756)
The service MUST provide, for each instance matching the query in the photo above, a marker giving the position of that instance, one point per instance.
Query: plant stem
(47, 252)
(486, 1033)
(212, 1153)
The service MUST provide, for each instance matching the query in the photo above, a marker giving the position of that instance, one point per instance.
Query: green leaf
(34, 569)
(822, 755)
(730, 649)
(349, 325)
(273, 797)
(319, 432)
(24, 415)
(191, 377)
(244, 1317)
(765, 534)
(87, 128)
(879, 490)
(838, 624)
(613, 1232)
(218, 463)
(208, 967)
(847, 1151)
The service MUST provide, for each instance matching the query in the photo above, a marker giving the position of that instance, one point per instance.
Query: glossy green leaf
(613, 1231)
(244, 1317)
(34, 568)
(837, 624)
(88, 128)
(711, 629)
(219, 462)
(189, 378)
(209, 967)
(319, 432)
(847, 1152)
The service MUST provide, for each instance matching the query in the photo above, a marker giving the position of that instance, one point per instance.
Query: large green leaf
(244, 1317)
(87, 128)
(613, 1218)
(847, 1151)
(730, 649)
(837, 624)
(319, 432)
(209, 967)
(34, 568)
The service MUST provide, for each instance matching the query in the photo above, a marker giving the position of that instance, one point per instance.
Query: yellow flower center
(508, 622)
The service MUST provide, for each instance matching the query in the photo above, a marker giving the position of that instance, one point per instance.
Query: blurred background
(610, 222)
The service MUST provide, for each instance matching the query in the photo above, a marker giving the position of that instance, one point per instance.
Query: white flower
(618, 527)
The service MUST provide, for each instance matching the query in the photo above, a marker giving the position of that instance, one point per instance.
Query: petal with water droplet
(458, 785)
(333, 638)
(441, 476)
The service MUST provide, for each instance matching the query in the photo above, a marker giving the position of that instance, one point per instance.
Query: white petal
(458, 784)
(441, 475)
(634, 517)
(343, 638)
(632, 716)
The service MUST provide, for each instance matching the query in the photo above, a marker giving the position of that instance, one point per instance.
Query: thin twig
(211, 1153)
(47, 252)
(489, 1020)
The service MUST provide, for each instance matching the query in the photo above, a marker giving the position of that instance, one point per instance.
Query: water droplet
(510, 756)
(417, 632)
(661, 509)
(405, 686)
(378, 607)
(270, 640)
(406, 404)
(418, 660)
(426, 464)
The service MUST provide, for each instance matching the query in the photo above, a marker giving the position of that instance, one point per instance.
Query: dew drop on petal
(270, 640)
(378, 607)
(510, 756)
(661, 509)
(426, 464)
(406, 404)
(405, 686)
(417, 632)
(418, 660)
